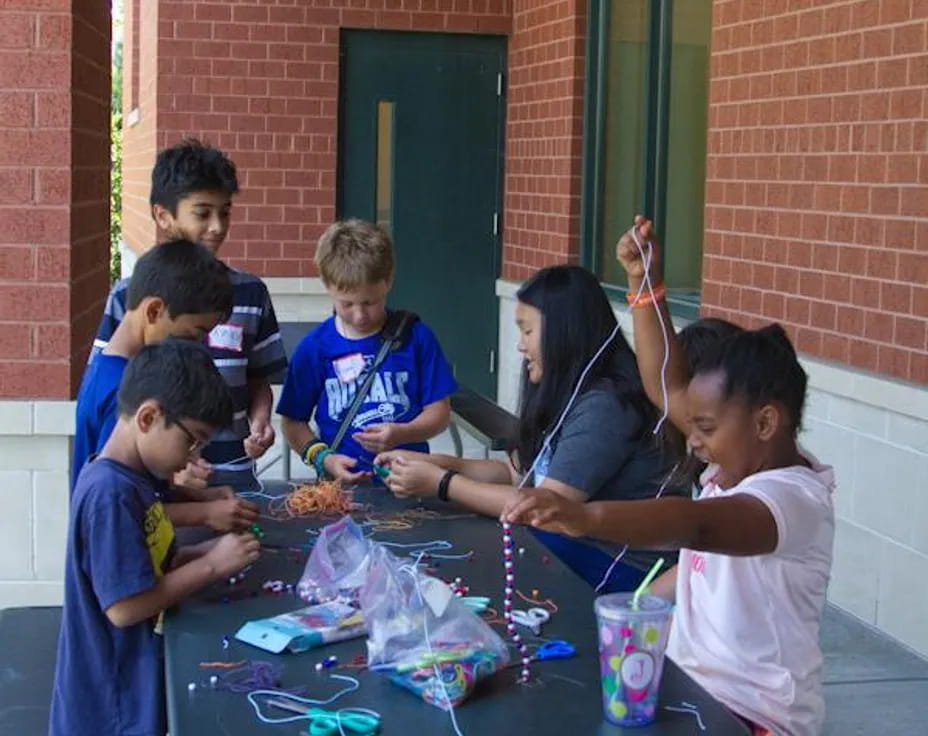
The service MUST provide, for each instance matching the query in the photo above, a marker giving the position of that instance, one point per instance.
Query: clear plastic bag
(337, 566)
(420, 633)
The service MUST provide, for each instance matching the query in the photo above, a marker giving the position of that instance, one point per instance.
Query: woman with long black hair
(605, 448)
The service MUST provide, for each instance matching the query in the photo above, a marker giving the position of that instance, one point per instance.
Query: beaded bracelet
(646, 298)
(319, 462)
(309, 457)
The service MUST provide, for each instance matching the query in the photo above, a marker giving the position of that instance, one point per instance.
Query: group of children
(175, 407)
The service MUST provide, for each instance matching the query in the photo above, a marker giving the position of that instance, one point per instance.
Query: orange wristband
(646, 297)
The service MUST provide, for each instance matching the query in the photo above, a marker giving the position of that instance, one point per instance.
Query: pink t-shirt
(746, 628)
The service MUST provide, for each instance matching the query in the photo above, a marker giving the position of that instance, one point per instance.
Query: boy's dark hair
(189, 167)
(698, 339)
(185, 276)
(181, 377)
(761, 367)
(577, 319)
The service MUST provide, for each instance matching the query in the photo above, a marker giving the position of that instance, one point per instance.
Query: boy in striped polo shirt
(192, 186)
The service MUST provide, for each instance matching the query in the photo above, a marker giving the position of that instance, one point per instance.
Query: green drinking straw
(646, 582)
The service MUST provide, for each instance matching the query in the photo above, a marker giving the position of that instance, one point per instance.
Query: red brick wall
(139, 122)
(817, 192)
(54, 100)
(544, 132)
(260, 80)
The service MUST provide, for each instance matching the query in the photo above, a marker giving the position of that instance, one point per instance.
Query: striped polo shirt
(245, 348)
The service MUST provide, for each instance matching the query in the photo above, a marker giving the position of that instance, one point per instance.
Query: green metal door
(420, 152)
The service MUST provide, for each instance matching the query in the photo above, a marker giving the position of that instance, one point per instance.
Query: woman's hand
(412, 477)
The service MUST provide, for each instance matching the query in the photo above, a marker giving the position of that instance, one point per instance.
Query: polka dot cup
(631, 655)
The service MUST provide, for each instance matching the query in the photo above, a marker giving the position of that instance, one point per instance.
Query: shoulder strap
(395, 333)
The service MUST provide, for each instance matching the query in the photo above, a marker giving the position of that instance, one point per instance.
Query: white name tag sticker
(227, 337)
(349, 368)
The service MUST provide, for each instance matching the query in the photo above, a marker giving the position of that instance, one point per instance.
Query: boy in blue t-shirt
(192, 186)
(123, 567)
(178, 289)
(409, 400)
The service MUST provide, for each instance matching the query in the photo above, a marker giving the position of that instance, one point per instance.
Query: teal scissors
(322, 722)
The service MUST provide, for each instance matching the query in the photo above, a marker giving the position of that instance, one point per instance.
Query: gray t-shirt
(603, 451)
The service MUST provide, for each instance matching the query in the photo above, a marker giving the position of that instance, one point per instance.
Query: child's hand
(411, 477)
(260, 440)
(630, 256)
(340, 468)
(379, 437)
(195, 476)
(388, 458)
(232, 552)
(547, 510)
(230, 514)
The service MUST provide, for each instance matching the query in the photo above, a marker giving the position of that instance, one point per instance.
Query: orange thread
(222, 665)
(325, 498)
(547, 602)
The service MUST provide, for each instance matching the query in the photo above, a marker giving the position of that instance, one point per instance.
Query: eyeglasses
(195, 442)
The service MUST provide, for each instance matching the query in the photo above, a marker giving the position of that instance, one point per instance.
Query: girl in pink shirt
(755, 547)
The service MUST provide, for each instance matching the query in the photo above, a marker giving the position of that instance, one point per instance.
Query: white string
(625, 548)
(414, 572)
(352, 686)
(646, 259)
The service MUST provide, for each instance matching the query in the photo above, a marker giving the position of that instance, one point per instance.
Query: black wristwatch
(443, 484)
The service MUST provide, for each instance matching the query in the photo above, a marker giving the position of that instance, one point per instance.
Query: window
(646, 130)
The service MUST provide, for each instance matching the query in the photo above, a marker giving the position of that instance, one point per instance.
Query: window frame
(657, 108)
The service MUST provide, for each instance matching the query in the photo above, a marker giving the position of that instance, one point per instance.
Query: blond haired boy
(408, 402)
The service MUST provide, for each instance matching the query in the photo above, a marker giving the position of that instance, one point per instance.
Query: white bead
(318, 666)
(213, 680)
(191, 686)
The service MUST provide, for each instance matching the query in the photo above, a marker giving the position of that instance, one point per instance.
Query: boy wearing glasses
(123, 567)
(178, 289)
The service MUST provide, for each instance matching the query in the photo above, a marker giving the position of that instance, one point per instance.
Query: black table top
(564, 693)
(28, 645)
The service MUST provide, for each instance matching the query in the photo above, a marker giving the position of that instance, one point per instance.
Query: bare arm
(666, 585)
(490, 499)
(296, 432)
(739, 524)
(229, 554)
(260, 401)
(649, 337)
(485, 471)
(432, 421)
(411, 476)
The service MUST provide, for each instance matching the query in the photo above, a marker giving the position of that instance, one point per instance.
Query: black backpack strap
(395, 333)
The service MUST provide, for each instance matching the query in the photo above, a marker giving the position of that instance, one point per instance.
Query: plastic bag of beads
(337, 566)
(425, 638)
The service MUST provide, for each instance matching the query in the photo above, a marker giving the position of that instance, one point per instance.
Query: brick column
(544, 135)
(54, 191)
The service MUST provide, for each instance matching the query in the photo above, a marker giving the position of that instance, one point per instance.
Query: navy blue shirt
(245, 348)
(97, 409)
(327, 369)
(110, 681)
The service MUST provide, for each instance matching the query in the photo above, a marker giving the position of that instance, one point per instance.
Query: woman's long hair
(576, 320)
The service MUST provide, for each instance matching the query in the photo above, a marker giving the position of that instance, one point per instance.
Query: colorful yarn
(325, 498)
(446, 678)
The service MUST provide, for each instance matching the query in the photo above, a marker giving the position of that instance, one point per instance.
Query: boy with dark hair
(192, 186)
(178, 289)
(123, 568)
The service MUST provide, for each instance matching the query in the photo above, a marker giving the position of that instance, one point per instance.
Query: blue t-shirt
(97, 409)
(110, 681)
(327, 369)
(245, 348)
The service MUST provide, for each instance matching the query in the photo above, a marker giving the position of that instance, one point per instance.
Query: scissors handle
(326, 723)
